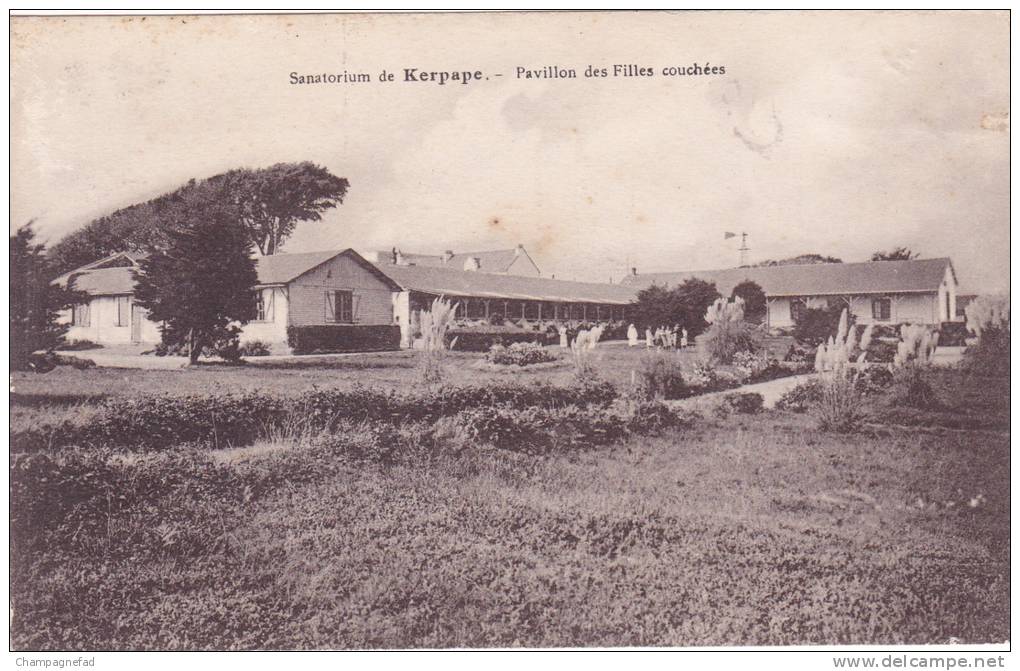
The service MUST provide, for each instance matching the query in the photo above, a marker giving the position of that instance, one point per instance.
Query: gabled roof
(272, 271)
(130, 258)
(104, 281)
(452, 282)
(492, 261)
(819, 279)
(285, 268)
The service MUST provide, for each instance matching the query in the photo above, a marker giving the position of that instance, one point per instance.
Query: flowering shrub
(703, 374)
(916, 347)
(728, 333)
(434, 324)
(519, 354)
(840, 406)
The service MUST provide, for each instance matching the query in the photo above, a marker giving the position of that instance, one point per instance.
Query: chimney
(398, 258)
(447, 255)
(633, 271)
(393, 256)
(472, 263)
(519, 250)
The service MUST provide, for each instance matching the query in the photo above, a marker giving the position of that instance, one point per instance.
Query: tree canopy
(800, 260)
(755, 306)
(269, 202)
(199, 281)
(895, 254)
(34, 302)
(684, 304)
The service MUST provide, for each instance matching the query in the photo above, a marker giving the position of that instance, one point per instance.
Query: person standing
(632, 336)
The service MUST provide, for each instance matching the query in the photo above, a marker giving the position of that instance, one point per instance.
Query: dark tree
(803, 259)
(684, 304)
(755, 305)
(35, 303)
(271, 201)
(813, 326)
(199, 282)
(897, 254)
(655, 306)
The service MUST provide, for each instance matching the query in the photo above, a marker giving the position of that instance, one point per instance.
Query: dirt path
(770, 391)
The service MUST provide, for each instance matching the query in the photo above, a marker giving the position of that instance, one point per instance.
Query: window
(81, 315)
(531, 310)
(881, 309)
(797, 308)
(340, 307)
(264, 302)
(123, 315)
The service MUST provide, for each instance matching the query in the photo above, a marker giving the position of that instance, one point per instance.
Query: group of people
(665, 337)
(583, 338)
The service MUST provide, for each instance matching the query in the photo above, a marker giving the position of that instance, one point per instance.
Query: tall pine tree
(35, 303)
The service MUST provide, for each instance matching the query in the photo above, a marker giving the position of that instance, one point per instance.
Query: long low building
(917, 291)
(342, 287)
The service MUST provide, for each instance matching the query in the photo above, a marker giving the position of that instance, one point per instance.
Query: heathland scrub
(748, 529)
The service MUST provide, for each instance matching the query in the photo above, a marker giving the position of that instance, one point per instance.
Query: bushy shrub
(660, 376)
(990, 354)
(874, 379)
(329, 338)
(484, 339)
(910, 387)
(254, 348)
(519, 354)
(166, 422)
(882, 350)
(746, 403)
(953, 334)
(988, 317)
(703, 374)
(813, 326)
(77, 345)
(801, 398)
(535, 430)
(654, 417)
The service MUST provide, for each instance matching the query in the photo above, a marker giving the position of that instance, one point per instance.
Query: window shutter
(86, 314)
(270, 314)
(354, 310)
(330, 307)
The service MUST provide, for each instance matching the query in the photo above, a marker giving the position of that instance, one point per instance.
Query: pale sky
(834, 133)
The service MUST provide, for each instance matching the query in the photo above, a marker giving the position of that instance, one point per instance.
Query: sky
(838, 133)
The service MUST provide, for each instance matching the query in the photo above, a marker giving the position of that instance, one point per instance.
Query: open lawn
(749, 529)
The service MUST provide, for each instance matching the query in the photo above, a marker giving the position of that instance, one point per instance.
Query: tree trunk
(193, 349)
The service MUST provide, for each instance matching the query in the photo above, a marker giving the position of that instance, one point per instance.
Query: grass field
(753, 529)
